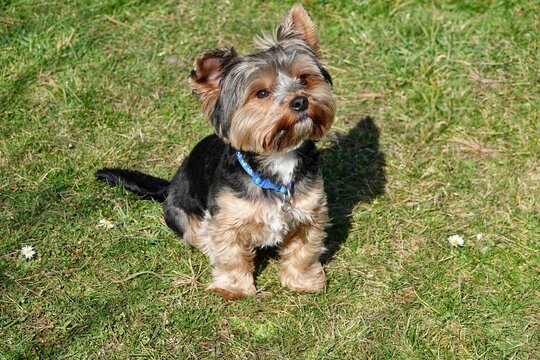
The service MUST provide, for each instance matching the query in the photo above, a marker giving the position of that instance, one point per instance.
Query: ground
(437, 134)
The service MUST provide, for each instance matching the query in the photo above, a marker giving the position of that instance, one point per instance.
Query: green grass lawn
(437, 133)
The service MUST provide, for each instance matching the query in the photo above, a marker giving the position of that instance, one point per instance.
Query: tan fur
(229, 238)
(300, 267)
(190, 235)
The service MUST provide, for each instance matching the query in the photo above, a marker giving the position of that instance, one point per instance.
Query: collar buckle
(286, 205)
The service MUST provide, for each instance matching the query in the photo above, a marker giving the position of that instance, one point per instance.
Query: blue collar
(261, 182)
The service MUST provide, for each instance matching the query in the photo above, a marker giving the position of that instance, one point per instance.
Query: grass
(437, 134)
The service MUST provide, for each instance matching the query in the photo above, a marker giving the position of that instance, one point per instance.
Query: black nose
(299, 103)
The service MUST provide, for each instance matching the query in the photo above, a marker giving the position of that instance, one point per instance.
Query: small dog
(255, 182)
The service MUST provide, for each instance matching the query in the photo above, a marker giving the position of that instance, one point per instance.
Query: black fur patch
(220, 123)
(326, 75)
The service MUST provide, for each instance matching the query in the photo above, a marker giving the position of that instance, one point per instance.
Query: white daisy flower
(28, 252)
(480, 237)
(456, 240)
(106, 224)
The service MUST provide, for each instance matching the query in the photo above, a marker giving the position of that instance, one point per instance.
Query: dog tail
(146, 186)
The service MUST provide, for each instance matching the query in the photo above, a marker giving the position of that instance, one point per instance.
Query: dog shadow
(353, 168)
(354, 172)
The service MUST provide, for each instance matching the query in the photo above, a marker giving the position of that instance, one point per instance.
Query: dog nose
(299, 103)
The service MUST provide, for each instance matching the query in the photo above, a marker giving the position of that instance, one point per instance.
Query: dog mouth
(303, 118)
(303, 125)
(294, 134)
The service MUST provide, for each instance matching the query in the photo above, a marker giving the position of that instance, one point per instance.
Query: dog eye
(303, 80)
(261, 94)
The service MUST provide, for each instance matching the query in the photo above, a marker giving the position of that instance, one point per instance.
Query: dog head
(272, 100)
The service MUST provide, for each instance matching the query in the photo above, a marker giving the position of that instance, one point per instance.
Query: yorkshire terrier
(254, 183)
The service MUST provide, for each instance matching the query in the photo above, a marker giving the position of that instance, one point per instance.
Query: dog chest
(261, 223)
(277, 224)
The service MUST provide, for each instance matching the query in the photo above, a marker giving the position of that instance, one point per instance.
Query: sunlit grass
(436, 134)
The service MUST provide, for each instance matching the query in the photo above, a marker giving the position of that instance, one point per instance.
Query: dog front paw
(311, 280)
(232, 293)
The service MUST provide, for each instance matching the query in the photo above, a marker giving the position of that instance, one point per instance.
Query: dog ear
(297, 23)
(206, 76)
